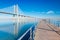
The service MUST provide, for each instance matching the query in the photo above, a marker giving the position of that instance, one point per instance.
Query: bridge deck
(46, 31)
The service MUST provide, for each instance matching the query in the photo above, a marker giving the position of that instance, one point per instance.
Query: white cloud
(50, 12)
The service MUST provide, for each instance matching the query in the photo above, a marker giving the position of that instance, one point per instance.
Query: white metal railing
(54, 22)
(31, 32)
(30, 29)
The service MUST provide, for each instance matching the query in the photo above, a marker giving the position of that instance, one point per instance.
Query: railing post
(31, 33)
(58, 23)
(49, 21)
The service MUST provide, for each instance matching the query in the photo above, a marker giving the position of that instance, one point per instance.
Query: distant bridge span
(14, 14)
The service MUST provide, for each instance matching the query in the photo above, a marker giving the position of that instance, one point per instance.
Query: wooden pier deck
(46, 31)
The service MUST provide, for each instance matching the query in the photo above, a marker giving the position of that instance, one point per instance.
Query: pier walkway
(46, 31)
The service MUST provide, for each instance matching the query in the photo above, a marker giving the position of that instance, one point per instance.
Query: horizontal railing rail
(25, 33)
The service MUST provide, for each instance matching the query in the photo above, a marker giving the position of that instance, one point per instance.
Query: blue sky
(38, 8)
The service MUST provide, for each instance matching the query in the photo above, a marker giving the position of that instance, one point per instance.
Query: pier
(46, 31)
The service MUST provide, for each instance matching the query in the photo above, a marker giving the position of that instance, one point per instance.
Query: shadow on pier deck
(46, 31)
